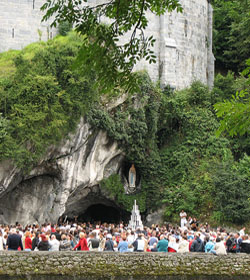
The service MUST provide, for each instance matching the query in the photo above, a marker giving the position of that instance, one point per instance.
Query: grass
(7, 66)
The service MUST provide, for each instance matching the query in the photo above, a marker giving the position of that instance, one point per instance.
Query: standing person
(82, 242)
(65, 243)
(197, 245)
(109, 244)
(209, 244)
(1, 241)
(183, 245)
(162, 245)
(123, 245)
(101, 242)
(14, 241)
(93, 242)
(54, 243)
(242, 231)
(183, 216)
(35, 241)
(43, 244)
(152, 240)
(219, 247)
(139, 244)
(27, 242)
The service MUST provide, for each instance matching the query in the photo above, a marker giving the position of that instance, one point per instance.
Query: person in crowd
(154, 249)
(82, 244)
(14, 241)
(101, 241)
(183, 245)
(123, 244)
(231, 244)
(197, 244)
(245, 244)
(209, 244)
(152, 240)
(54, 243)
(194, 224)
(162, 245)
(65, 243)
(109, 244)
(93, 242)
(1, 241)
(57, 233)
(28, 241)
(183, 216)
(238, 242)
(242, 232)
(219, 247)
(43, 245)
(130, 238)
(139, 244)
(35, 241)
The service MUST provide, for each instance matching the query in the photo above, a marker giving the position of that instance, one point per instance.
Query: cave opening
(104, 214)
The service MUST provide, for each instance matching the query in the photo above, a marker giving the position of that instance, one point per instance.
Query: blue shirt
(209, 247)
(123, 246)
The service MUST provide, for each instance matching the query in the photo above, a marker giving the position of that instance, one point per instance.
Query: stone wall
(105, 265)
(183, 40)
(20, 24)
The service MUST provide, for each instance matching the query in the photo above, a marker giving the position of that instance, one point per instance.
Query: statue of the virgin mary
(132, 177)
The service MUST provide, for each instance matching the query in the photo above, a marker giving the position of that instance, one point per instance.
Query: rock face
(65, 182)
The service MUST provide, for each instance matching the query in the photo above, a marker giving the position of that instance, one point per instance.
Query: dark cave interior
(103, 213)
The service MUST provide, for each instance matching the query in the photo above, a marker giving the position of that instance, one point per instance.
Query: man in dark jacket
(197, 244)
(14, 241)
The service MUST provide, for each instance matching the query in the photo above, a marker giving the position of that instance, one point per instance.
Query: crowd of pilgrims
(120, 238)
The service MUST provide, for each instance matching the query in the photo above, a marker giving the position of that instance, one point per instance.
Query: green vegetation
(115, 190)
(41, 98)
(236, 110)
(231, 41)
(171, 139)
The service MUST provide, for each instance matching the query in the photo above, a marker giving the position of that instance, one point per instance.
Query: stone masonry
(110, 265)
(183, 40)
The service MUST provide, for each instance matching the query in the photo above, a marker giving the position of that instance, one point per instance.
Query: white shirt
(54, 245)
(1, 243)
(183, 215)
(140, 245)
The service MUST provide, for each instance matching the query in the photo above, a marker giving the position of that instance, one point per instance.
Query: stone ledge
(111, 265)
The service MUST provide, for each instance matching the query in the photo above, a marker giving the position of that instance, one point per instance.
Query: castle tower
(183, 40)
(20, 24)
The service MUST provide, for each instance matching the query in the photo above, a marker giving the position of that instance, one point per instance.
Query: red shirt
(28, 243)
(82, 244)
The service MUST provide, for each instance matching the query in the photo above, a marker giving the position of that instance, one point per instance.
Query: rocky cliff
(64, 182)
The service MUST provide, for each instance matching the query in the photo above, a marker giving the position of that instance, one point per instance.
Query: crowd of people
(120, 238)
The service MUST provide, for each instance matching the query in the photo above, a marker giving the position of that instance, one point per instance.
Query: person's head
(13, 231)
(109, 236)
(237, 235)
(162, 237)
(63, 237)
(43, 237)
(27, 234)
(53, 237)
(81, 234)
(218, 240)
